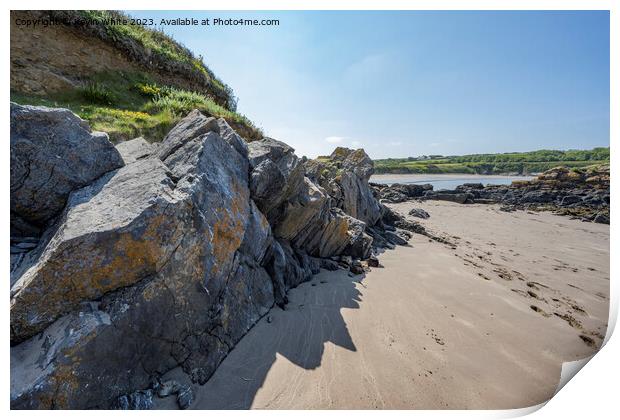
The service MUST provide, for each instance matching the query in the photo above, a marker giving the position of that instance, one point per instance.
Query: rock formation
(579, 193)
(128, 263)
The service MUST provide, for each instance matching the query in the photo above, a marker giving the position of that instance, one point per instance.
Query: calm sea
(445, 181)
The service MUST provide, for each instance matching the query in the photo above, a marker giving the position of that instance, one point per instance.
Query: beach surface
(483, 322)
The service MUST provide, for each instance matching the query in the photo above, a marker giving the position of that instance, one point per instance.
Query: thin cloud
(335, 139)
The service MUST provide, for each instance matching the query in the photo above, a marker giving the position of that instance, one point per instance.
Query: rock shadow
(311, 319)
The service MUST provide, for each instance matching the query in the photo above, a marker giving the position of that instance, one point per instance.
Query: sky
(413, 83)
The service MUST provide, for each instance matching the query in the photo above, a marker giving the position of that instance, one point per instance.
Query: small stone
(357, 269)
(185, 398)
(420, 213)
(269, 319)
(167, 388)
(346, 259)
(373, 261)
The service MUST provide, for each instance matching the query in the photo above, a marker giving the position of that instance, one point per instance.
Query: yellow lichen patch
(76, 274)
(64, 380)
(228, 230)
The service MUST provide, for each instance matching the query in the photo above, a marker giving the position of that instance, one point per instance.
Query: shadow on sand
(312, 318)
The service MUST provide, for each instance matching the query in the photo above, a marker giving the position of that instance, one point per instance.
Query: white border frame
(591, 395)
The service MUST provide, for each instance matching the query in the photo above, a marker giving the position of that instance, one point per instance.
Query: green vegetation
(151, 48)
(128, 105)
(500, 163)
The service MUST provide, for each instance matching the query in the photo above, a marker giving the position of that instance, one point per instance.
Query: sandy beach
(484, 322)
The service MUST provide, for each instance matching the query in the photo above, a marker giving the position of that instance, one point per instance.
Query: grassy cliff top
(169, 83)
(128, 105)
(150, 48)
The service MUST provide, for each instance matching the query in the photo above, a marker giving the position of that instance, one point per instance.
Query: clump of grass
(149, 90)
(97, 93)
(161, 47)
(181, 102)
(128, 105)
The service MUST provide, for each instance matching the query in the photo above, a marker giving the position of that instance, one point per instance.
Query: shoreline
(404, 336)
(382, 178)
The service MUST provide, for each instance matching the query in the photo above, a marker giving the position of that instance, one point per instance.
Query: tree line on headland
(495, 163)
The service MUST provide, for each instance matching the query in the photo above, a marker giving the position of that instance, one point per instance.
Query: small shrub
(149, 90)
(97, 93)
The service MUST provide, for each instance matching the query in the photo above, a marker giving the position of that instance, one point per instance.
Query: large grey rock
(184, 301)
(53, 152)
(313, 224)
(277, 177)
(165, 263)
(299, 210)
(288, 268)
(188, 129)
(135, 149)
(115, 232)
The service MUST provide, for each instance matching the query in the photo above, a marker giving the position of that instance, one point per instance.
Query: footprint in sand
(588, 340)
(540, 311)
(435, 337)
(535, 284)
(520, 292)
(502, 273)
(569, 319)
(529, 294)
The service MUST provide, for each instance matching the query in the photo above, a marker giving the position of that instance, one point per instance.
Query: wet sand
(484, 323)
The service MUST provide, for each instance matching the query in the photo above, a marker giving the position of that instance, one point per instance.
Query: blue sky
(411, 83)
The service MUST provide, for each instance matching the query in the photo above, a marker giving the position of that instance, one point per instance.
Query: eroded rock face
(277, 177)
(115, 232)
(167, 262)
(344, 175)
(301, 211)
(188, 283)
(53, 152)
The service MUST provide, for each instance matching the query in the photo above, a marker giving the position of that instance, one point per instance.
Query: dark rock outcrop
(344, 175)
(170, 259)
(300, 210)
(419, 213)
(168, 266)
(397, 193)
(455, 196)
(580, 193)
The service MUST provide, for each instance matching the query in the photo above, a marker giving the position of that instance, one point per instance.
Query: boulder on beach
(167, 257)
(419, 213)
(455, 196)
